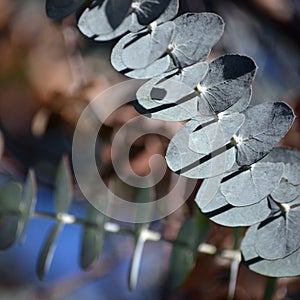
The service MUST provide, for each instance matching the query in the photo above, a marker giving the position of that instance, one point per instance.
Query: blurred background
(48, 73)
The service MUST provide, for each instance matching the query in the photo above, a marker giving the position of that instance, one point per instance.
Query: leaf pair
(112, 18)
(284, 243)
(174, 44)
(263, 127)
(244, 196)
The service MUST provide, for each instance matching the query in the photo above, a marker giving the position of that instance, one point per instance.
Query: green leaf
(47, 251)
(183, 256)
(143, 195)
(92, 238)
(10, 198)
(63, 186)
(27, 204)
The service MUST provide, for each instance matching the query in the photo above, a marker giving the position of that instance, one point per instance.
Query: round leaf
(182, 160)
(278, 236)
(288, 266)
(265, 125)
(227, 81)
(145, 48)
(252, 185)
(58, 9)
(223, 213)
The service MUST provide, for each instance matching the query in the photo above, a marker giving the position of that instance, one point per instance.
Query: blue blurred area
(18, 263)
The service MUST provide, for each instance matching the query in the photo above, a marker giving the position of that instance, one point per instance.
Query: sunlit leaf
(185, 48)
(223, 213)
(145, 48)
(215, 135)
(264, 126)
(289, 186)
(195, 35)
(58, 9)
(182, 160)
(63, 186)
(148, 11)
(183, 256)
(227, 81)
(92, 238)
(27, 203)
(10, 198)
(278, 236)
(154, 69)
(251, 185)
(95, 21)
(47, 250)
(221, 90)
(288, 266)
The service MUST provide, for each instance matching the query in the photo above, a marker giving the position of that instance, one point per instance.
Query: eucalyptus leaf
(95, 21)
(58, 9)
(265, 125)
(216, 134)
(63, 186)
(27, 203)
(195, 35)
(154, 69)
(227, 81)
(253, 184)
(116, 11)
(148, 11)
(289, 186)
(147, 48)
(182, 160)
(223, 213)
(288, 266)
(185, 48)
(10, 199)
(172, 100)
(47, 251)
(278, 236)
(92, 238)
(183, 257)
(169, 13)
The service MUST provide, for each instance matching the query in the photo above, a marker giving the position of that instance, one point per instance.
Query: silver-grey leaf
(227, 81)
(172, 100)
(182, 160)
(143, 50)
(278, 236)
(288, 266)
(253, 184)
(223, 213)
(195, 35)
(207, 138)
(95, 21)
(289, 186)
(265, 125)
(148, 11)
(169, 13)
